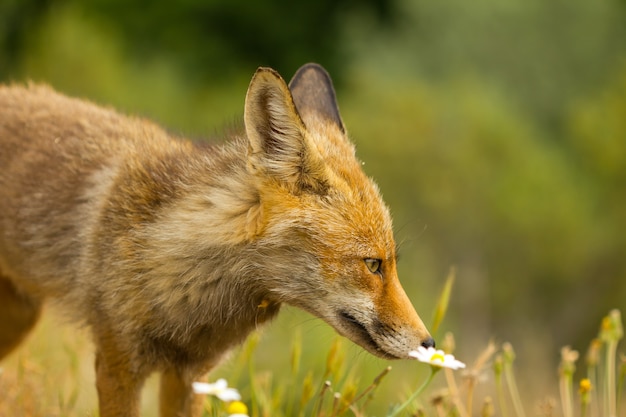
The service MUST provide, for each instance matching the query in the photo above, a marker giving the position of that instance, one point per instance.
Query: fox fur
(173, 252)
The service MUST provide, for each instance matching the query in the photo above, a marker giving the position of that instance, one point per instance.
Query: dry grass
(52, 375)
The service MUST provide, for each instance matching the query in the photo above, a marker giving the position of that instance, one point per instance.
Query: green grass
(289, 372)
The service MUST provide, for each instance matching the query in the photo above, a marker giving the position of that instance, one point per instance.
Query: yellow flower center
(585, 386)
(437, 357)
(237, 407)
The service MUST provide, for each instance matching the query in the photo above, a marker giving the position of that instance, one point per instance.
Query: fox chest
(205, 343)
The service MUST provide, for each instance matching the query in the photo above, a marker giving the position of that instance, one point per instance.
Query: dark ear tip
(310, 68)
(313, 92)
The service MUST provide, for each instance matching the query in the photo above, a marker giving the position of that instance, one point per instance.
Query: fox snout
(384, 340)
(389, 329)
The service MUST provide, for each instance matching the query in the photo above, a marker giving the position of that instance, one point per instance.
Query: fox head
(320, 211)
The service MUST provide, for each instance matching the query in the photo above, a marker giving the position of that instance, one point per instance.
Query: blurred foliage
(496, 130)
(209, 38)
(539, 54)
(17, 19)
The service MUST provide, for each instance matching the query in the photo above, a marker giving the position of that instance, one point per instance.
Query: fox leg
(176, 395)
(18, 315)
(118, 379)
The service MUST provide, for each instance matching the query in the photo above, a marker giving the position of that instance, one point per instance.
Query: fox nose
(429, 343)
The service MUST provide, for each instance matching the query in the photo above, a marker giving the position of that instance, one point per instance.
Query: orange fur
(172, 253)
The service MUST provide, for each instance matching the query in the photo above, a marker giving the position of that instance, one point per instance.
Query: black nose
(429, 343)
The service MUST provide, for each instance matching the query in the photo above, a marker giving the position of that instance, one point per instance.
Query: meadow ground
(298, 367)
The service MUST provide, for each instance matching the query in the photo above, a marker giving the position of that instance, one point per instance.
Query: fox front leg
(119, 386)
(176, 397)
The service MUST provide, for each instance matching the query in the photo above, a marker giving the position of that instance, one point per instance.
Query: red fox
(173, 252)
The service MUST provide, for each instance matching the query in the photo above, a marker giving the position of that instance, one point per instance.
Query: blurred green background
(495, 129)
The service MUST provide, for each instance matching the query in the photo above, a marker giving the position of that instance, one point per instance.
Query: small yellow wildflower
(585, 386)
(584, 390)
(611, 328)
(237, 409)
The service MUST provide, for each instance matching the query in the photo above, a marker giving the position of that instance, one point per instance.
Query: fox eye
(373, 265)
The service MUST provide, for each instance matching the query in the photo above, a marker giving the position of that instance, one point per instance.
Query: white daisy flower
(436, 357)
(219, 389)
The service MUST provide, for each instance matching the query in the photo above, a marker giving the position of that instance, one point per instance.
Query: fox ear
(279, 146)
(314, 95)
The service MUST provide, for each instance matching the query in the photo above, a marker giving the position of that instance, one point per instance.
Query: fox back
(172, 252)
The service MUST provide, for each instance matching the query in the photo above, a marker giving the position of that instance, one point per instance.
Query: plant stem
(397, 410)
(592, 376)
(498, 369)
(454, 392)
(565, 386)
(253, 388)
(620, 382)
(369, 389)
(583, 410)
(611, 351)
(336, 405)
(510, 380)
(325, 388)
(471, 383)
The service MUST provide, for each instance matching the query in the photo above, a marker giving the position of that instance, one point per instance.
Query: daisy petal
(219, 389)
(202, 387)
(436, 357)
(229, 394)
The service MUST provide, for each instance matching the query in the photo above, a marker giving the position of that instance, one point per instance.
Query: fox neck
(197, 250)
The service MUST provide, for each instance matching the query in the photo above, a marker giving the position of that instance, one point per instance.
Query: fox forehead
(349, 220)
(362, 225)
(354, 198)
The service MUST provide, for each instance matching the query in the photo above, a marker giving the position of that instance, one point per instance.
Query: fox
(172, 251)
